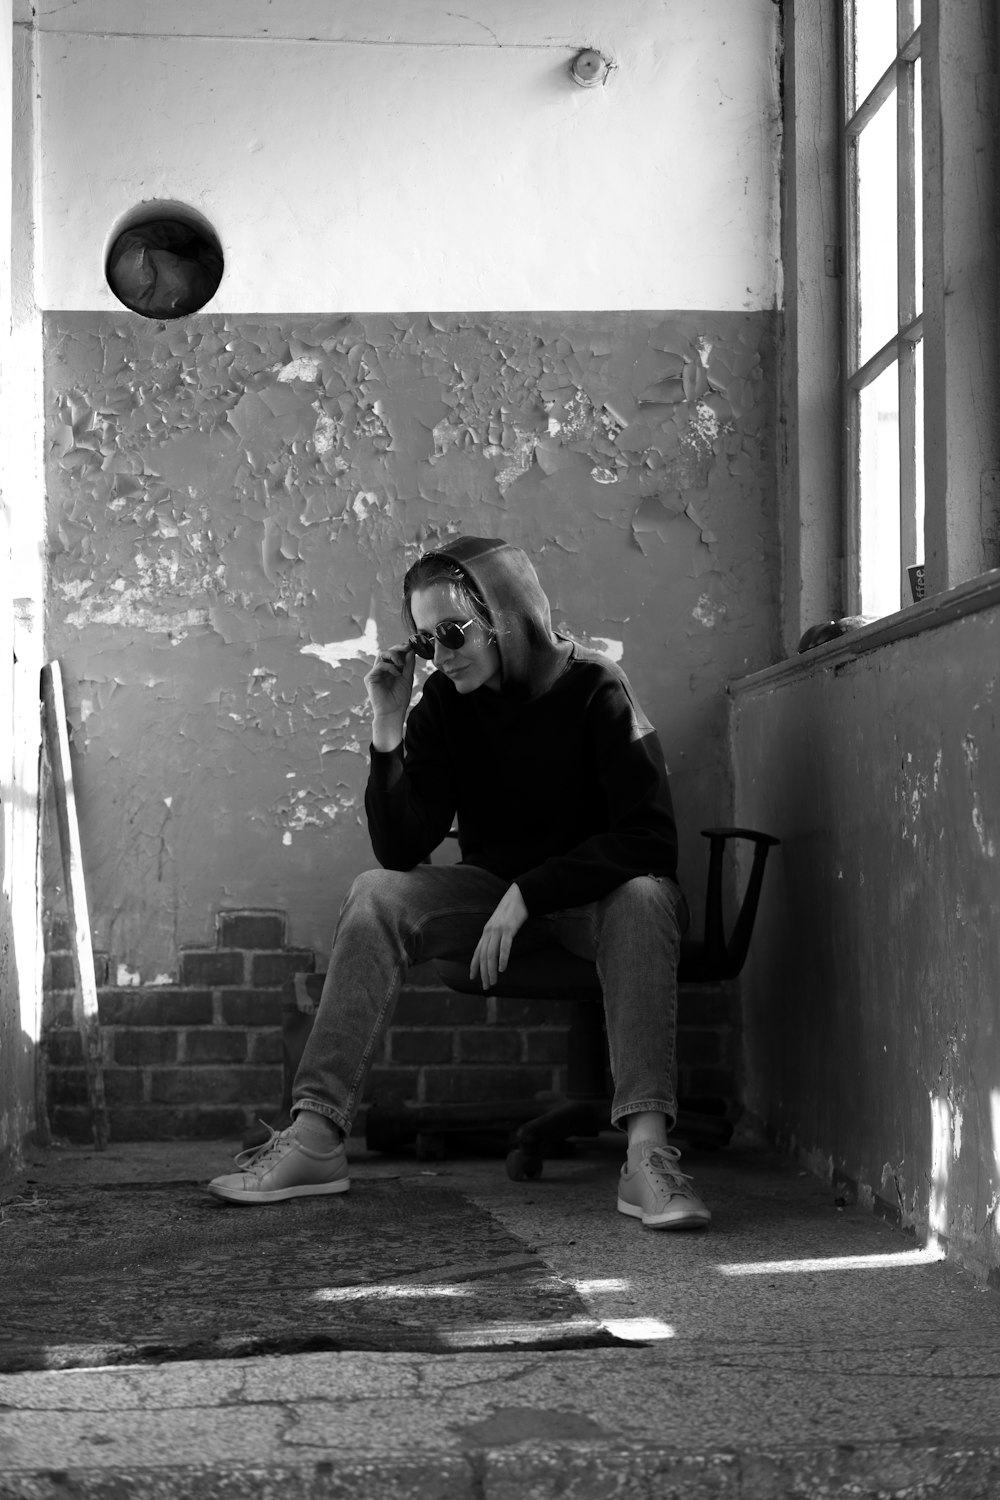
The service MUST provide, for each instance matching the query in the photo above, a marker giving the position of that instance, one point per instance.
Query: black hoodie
(557, 779)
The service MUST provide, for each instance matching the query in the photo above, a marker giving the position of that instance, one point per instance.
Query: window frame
(897, 80)
(961, 360)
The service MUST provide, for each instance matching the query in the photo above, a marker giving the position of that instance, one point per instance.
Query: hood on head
(531, 654)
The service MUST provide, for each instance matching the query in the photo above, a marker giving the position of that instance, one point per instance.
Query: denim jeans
(392, 919)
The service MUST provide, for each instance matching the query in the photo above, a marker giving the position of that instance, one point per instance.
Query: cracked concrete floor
(794, 1349)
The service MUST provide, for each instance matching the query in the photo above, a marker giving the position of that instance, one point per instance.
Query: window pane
(877, 226)
(919, 497)
(918, 147)
(874, 44)
(878, 518)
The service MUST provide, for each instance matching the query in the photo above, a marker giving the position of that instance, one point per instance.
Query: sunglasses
(450, 633)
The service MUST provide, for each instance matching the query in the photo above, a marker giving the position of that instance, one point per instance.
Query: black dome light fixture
(164, 260)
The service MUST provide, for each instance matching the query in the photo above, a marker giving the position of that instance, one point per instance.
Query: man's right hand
(389, 685)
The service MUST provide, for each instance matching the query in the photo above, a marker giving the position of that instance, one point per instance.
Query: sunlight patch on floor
(922, 1257)
(639, 1328)
(385, 1291)
(601, 1284)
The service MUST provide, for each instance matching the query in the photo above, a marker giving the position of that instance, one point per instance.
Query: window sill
(968, 598)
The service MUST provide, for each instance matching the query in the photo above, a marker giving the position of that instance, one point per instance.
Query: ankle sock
(316, 1131)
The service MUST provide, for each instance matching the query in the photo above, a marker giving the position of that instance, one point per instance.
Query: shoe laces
(662, 1162)
(257, 1156)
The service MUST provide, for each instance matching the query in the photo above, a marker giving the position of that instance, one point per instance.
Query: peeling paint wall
(872, 992)
(234, 501)
(233, 497)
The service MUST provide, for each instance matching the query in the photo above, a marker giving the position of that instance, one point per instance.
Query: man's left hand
(493, 948)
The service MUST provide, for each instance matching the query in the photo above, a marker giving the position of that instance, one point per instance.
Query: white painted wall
(21, 599)
(384, 155)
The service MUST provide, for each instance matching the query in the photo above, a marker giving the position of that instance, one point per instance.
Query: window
(889, 451)
(883, 303)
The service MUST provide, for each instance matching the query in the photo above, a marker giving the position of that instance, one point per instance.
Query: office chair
(585, 1109)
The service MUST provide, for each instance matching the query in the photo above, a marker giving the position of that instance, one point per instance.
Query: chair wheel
(522, 1165)
(430, 1147)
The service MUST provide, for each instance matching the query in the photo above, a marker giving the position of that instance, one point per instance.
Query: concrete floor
(795, 1349)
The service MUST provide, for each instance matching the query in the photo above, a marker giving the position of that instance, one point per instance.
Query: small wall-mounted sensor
(589, 67)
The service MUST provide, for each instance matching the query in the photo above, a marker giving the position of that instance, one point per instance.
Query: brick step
(178, 1063)
(249, 949)
(209, 1062)
(203, 1057)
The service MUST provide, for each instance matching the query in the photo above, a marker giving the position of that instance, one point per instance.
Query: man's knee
(645, 900)
(377, 891)
(409, 894)
(369, 885)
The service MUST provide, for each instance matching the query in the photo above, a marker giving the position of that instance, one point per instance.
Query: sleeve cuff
(386, 766)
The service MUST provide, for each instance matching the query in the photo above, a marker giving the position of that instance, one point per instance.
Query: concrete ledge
(969, 598)
(554, 1472)
(367, 1427)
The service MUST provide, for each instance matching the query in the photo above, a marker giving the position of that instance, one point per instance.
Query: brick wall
(203, 1057)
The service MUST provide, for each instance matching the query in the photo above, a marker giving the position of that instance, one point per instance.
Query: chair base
(531, 1136)
(515, 1127)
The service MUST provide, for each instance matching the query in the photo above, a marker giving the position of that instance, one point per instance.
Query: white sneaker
(659, 1193)
(284, 1168)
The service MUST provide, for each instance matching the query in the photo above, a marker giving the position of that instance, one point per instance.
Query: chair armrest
(719, 958)
(741, 833)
